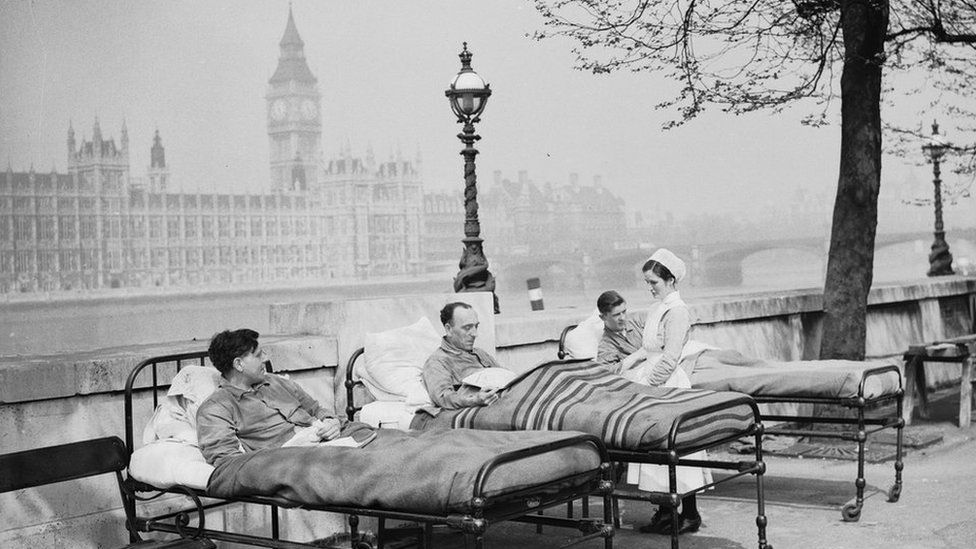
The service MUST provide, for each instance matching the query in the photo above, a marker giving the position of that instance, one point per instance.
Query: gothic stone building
(99, 226)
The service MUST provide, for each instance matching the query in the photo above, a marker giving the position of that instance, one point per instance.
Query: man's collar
(237, 391)
(449, 347)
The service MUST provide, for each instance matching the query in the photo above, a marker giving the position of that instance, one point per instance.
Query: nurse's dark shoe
(660, 522)
(690, 523)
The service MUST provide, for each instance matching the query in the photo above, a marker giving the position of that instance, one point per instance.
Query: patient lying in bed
(253, 410)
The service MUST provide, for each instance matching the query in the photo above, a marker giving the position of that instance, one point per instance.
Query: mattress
(807, 378)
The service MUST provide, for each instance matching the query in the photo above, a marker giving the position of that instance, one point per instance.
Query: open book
(307, 436)
(490, 378)
(357, 440)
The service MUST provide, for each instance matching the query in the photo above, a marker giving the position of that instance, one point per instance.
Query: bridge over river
(773, 262)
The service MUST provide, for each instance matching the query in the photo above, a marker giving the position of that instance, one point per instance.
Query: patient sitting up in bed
(456, 359)
(252, 409)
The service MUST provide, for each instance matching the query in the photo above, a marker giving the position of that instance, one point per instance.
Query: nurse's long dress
(655, 477)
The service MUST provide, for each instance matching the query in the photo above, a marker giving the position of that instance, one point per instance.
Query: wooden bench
(959, 350)
(32, 468)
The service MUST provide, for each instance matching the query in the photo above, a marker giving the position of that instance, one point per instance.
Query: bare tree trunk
(850, 262)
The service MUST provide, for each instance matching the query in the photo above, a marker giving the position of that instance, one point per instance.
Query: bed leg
(760, 493)
(569, 511)
(380, 530)
(675, 500)
(852, 511)
(895, 491)
(585, 507)
(428, 542)
(274, 522)
(610, 516)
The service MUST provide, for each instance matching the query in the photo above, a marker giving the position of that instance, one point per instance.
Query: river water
(82, 324)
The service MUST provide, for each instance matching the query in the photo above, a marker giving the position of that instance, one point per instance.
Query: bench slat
(70, 461)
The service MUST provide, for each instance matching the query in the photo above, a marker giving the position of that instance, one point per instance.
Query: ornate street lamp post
(940, 260)
(468, 95)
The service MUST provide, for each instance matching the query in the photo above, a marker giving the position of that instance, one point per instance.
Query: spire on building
(157, 154)
(292, 64)
(125, 137)
(71, 137)
(291, 36)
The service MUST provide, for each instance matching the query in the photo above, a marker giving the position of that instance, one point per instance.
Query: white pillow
(167, 463)
(394, 360)
(583, 340)
(387, 415)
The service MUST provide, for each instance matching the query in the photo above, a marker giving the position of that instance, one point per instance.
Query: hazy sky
(198, 71)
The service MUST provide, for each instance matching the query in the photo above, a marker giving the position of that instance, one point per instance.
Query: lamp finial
(465, 56)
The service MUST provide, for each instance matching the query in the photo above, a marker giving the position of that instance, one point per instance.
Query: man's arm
(306, 401)
(609, 354)
(619, 355)
(217, 432)
(440, 385)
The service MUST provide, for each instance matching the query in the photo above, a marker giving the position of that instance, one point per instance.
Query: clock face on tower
(279, 109)
(309, 110)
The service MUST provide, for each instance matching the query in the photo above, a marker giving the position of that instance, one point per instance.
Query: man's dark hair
(447, 313)
(608, 300)
(228, 345)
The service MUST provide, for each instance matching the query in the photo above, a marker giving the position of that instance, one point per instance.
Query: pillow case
(166, 463)
(393, 362)
(176, 416)
(583, 340)
(387, 415)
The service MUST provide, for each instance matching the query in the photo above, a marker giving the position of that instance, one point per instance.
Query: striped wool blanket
(584, 396)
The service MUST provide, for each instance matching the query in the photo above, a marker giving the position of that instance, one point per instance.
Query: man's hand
(327, 429)
(486, 397)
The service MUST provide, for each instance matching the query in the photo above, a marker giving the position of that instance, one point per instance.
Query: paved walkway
(937, 509)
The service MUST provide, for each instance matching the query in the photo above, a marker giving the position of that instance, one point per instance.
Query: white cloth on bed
(393, 362)
(387, 414)
(170, 455)
(584, 340)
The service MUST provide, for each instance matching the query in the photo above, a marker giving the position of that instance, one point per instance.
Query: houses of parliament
(102, 226)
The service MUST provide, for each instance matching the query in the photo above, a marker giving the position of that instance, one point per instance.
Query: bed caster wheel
(851, 513)
(894, 493)
(363, 545)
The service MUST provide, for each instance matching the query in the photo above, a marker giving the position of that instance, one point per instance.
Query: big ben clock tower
(294, 119)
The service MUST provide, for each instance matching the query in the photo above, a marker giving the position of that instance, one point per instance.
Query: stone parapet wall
(46, 400)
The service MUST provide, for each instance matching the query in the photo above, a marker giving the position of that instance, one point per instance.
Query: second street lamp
(940, 260)
(468, 95)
